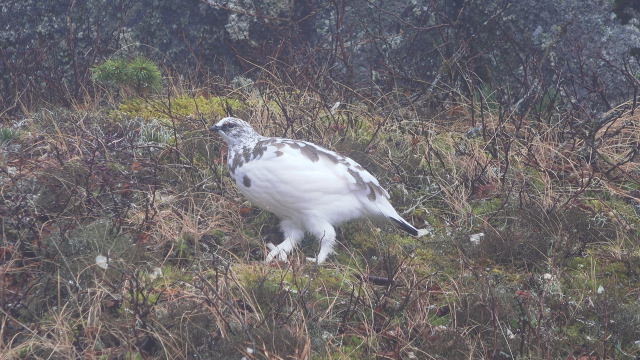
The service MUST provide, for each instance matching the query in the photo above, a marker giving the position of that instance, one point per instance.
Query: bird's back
(299, 180)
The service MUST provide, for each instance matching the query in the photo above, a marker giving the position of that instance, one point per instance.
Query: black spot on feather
(246, 181)
(357, 177)
(372, 195)
(258, 150)
(333, 158)
(247, 154)
(310, 152)
(235, 163)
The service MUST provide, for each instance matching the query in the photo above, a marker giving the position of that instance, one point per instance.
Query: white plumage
(311, 189)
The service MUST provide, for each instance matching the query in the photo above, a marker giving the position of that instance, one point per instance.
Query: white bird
(311, 189)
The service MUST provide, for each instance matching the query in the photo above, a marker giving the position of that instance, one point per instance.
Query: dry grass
(559, 213)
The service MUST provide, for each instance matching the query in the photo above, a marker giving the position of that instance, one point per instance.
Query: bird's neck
(247, 143)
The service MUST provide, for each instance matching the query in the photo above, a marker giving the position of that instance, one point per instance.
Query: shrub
(138, 77)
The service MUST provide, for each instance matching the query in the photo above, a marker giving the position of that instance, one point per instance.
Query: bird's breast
(289, 194)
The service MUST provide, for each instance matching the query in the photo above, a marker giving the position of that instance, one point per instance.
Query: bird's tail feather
(404, 225)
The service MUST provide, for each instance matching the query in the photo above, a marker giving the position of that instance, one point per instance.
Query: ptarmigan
(311, 189)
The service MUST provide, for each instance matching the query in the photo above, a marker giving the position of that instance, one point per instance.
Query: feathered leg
(292, 236)
(326, 234)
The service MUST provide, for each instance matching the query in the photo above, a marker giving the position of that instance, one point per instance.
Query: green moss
(433, 217)
(575, 333)
(270, 106)
(588, 273)
(362, 129)
(444, 142)
(625, 210)
(318, 284)
(150, 298)
(361, 244)
(214, 107)
(578, 263)
(617, 275)
(311, 277)
(486, 206)
(616, 209)
(435, 320)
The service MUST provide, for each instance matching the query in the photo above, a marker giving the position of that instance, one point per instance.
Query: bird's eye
(228, 126)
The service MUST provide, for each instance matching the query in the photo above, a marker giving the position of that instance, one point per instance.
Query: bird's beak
(215, 128)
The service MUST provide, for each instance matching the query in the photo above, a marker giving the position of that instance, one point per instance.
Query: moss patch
(210, 107)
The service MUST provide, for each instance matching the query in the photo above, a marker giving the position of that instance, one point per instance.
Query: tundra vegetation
(512, 127)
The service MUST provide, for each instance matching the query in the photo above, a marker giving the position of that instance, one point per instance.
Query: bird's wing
(288, 172)
(359, 178)
(311, 166)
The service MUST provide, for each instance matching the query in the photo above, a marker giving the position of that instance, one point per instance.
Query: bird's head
(234, 131)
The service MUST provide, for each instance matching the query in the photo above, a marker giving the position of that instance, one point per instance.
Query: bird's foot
(317, 260)
(276, 252)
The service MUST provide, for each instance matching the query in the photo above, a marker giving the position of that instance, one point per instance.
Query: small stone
(102, 262)
(335, 107)
(475, 238)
